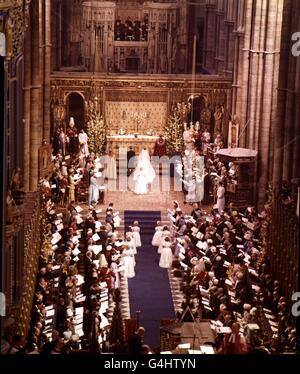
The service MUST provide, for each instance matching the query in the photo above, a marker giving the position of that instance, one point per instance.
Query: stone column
(56, 9)
(258, 100)
(289, 123)
(278, 139)
(156, 51)
(256, 66)
(237, 76)
(263, 98)
(230, 7)
(296, 143)
(242, 79)
(27, 107)
(254, 90)
(209, 51)
(220, 42)
(268, 73)
(183, 37)
(47, 71)
(35, 99)
(296, 61)
(279, 128)
(291, 86)
(229, 49)
(42, 57)
(286, 131)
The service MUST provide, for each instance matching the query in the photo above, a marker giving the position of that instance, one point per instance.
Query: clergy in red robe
(72, 137)
(160, 147)
(234, 343)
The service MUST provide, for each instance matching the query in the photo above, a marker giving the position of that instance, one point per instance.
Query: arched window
(75, 109)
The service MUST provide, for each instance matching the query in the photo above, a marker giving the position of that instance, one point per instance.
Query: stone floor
(154, 200)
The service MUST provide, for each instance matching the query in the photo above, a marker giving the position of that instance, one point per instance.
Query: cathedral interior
(130, 70)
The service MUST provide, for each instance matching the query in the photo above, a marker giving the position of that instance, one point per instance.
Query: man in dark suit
(196, 212)
(130, 155)
(135, 341)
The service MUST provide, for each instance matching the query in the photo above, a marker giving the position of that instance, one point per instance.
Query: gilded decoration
(135, 117)
(15, 24)
(138, 104)
(143, 89)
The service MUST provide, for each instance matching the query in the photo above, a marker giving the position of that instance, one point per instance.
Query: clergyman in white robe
(220, 198)
(94, 189)
(83, 139)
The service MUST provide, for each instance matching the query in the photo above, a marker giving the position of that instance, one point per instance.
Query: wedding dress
(140, 179)
(145, 163)
(143, 174)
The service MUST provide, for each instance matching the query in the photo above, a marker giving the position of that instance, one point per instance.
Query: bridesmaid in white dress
(129, 241)
(136, 234)
(165, 233)
(166, 257)
(157, 235)
(128, 262)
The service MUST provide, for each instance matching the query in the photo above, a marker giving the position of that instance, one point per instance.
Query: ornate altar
(240, 193)
(134, 124)
(123, 142)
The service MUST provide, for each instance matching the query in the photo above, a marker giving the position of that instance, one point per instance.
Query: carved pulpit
(240, 188)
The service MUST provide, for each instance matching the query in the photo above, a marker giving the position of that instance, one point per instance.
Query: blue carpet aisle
(149, 290)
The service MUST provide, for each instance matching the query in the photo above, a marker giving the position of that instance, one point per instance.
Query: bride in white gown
(140, 179)
(143, 174)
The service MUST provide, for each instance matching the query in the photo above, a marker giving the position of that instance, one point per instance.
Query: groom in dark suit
(130, 154)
